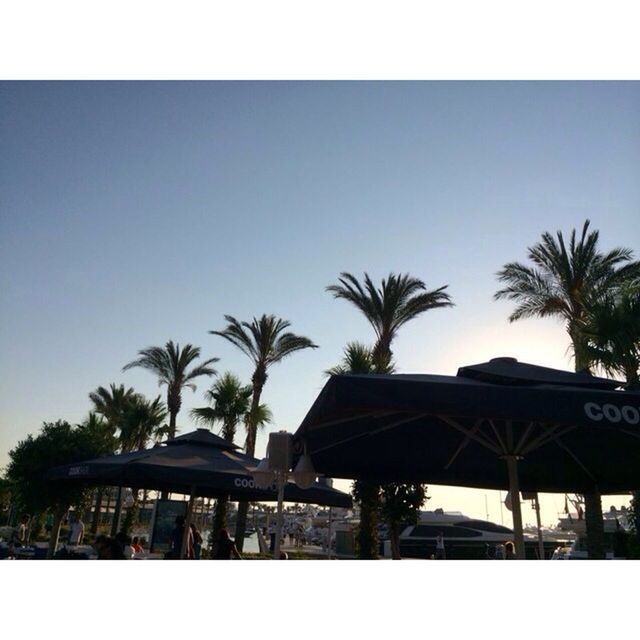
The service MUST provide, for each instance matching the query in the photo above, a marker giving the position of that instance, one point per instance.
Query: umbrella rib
(524, 436)
(545, 438)
(563, 446)
(472, 436)
(463, 444)
(374, 414)
(498, 436)
(369, 433)
(630, 433)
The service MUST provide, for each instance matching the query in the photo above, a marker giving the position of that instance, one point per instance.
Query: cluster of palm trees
(596, 294)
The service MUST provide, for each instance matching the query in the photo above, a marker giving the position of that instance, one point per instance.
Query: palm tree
(564, 282)
(171, 365)
(111, 403)
(399, 299)
(142, 421)
(230, 402)
(265, 341)
(357, 359)
(612, 333)
(101, 431)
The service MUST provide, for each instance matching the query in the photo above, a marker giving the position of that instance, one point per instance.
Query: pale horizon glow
(135, 213)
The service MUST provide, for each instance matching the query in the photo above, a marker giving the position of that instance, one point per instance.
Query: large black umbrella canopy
(198, 463)
(568, 432)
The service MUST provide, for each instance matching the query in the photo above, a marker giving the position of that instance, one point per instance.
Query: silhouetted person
(197, 541)
(19, 535)
(509, 551)
(226, 547)
(176, 541)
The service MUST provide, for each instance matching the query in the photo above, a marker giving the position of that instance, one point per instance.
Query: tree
(111, 403)
(57, 444)
(5, 499)
(142, 421)
(612, 335)
(266, 342)
(357, 359)
(171, 365)
(399, 299)
(400, 505)
(564, 282)
(230, 402)
(612, 332)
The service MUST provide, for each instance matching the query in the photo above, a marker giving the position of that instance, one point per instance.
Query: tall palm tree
(230, 402)
(399, 299)
(564, 281)
(266, 342)
(171, 365)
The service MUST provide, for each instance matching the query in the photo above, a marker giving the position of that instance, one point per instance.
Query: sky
(134, 213)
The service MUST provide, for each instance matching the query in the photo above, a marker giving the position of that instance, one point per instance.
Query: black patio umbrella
(498, 425)
(197, 463)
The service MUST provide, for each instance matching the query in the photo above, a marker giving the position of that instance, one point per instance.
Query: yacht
(464, 537)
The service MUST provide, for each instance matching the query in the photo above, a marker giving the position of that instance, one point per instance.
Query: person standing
(225, 548)
(197, 542)
(19, 535)
(76, 530)
(176, 540)
(440, 551)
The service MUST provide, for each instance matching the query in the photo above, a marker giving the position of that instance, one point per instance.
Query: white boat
(464, 537)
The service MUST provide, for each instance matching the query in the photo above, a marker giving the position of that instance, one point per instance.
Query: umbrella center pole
(281, 480)
(514, 490)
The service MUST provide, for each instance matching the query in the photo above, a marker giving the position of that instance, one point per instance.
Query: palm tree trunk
(368, 530)
(258, 379)
(595, 526)
(592, 501)
(219, 518)
(172, 424)
(394, 535)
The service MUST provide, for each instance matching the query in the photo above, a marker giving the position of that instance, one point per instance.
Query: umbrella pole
(117, 509)
(536, 506)
(187, 525)
(514, 489)
(281, 481)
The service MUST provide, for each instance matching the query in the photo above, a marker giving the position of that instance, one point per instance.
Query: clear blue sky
(134, 213)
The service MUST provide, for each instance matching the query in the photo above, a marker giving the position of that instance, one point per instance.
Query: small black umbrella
(556, 431)
(197, 463)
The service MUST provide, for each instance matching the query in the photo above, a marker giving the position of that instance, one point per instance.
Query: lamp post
(276, 469)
